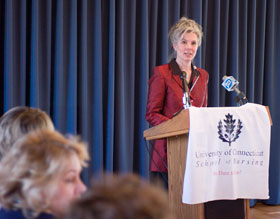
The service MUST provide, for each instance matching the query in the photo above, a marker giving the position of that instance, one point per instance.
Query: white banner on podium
(228, 154)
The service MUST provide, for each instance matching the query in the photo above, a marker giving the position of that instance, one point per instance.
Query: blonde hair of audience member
(19, 121)
(119, 197)
(41, 173)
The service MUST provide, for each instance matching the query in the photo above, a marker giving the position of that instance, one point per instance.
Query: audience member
(19, 121)
(121, 197)
(41, 174)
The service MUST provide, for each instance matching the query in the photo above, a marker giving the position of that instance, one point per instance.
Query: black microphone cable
(151, 158)
(175, 114)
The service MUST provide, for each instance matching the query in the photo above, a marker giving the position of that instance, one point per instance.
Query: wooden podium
(176, 131)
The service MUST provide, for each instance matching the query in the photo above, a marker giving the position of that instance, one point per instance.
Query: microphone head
(229, 83)
(183, 75)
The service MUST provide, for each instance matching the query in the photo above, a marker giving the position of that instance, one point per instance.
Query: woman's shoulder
(203, 73)
(162, 69)
(163, 66)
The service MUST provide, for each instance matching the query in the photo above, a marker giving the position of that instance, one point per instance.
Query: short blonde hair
(29, 172)
(185, 25)
(19, 121)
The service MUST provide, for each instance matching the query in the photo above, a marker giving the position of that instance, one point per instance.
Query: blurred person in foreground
(17, 122)
(14, 124)
(40, 175)
(121, 197)
(166, 87)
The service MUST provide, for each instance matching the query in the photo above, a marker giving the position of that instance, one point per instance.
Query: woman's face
(186, 47)
(70, 187)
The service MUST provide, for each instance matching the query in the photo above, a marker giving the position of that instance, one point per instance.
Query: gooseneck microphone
(230, 84)
(186, 95)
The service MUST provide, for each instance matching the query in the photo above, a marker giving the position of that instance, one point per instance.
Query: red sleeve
(156, 96)
(206, 92)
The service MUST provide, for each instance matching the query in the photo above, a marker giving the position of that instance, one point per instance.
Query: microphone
(230, 84)
(186, 95)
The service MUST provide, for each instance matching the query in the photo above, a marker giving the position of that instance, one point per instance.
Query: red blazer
(165, 99)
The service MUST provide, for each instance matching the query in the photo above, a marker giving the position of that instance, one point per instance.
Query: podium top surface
(178, 125)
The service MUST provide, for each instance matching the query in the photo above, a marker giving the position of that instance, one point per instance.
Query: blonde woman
(166, 89)
(40, 176)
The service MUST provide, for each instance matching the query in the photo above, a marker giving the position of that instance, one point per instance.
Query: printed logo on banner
(230, 131)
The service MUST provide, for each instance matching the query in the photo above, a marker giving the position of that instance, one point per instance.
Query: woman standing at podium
(166, 88)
